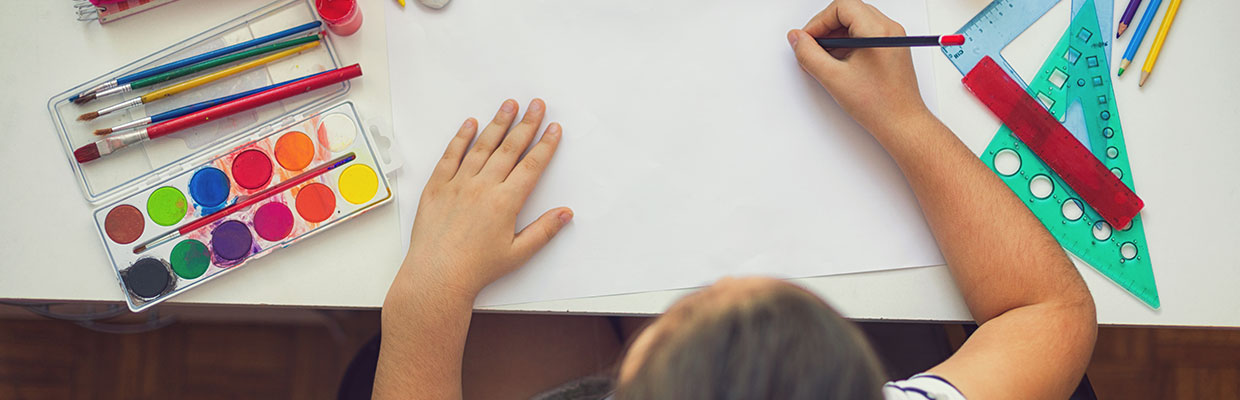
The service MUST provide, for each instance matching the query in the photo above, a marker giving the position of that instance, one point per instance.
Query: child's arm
(463, 239)
(1037, 317)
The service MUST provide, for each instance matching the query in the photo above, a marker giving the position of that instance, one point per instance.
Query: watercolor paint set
(150, 272)
(181, 210)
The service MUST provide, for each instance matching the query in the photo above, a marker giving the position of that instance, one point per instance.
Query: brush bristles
(104, 131)
(84, 99)
(139, 249)
(86, 153)
(88, 116)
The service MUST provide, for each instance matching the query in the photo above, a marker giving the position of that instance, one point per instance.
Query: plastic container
(151, 188)
(343, 17)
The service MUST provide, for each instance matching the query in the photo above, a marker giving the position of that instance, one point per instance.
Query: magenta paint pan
(274, 153)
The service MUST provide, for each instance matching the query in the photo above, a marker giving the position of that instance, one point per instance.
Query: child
(746, 338)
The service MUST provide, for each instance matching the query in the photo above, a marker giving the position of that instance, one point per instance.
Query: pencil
(402, 3)
(1126, 19)
(247, 201)
(895, 41)
(110, 144)
(82, 97)
(170, 114)
(1156, 48)
(1139, 35)
(202, 66)
(193, 83)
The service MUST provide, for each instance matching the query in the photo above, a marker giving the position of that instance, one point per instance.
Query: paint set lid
(139, 166)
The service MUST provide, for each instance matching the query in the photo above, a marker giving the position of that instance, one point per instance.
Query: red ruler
(1047, 138)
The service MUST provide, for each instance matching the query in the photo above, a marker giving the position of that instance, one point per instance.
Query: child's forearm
(999, 253)
(423, 340)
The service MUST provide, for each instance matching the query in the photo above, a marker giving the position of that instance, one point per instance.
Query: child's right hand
(875, 85)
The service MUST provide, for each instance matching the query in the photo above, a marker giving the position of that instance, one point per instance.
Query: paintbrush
(111, 144)
(193, 83)
(246, 202)
(203, 66)
(88, 94)
(167, 115)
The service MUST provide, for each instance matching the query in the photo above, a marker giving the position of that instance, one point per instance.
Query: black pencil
(897, 41)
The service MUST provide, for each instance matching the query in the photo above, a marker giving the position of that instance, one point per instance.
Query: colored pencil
(111, 144)
(246, 202)
(1126, 19)
(402, 3)
(1156, 48)
(199, 67)
(193, 83)
(1139, 35)
(196, 59)
(895, 41)
(167, 115)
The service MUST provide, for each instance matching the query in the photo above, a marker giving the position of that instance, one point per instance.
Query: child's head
(750, 338)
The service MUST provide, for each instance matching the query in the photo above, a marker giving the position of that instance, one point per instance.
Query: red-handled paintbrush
(248, 201)
(113, 143)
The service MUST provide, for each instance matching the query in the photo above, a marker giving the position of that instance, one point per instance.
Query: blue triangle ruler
(1074, 84)
(1002, 21)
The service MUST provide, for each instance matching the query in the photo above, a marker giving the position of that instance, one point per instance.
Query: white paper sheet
(694, 147)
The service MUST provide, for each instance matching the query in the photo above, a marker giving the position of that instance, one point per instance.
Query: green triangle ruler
(1074, 83)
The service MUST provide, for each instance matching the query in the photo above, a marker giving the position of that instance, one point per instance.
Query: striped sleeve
(921, 387)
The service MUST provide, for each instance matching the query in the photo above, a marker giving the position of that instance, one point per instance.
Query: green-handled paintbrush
(199, 67)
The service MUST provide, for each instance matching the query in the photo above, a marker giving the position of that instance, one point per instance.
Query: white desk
(1179, 131)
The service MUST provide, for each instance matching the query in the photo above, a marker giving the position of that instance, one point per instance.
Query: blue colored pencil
(87, 95)
(1139, 35)
(192, 108)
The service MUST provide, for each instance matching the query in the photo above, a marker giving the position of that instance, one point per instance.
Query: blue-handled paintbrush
(89, 94)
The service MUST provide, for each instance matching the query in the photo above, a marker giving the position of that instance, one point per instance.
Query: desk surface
(1178, 128)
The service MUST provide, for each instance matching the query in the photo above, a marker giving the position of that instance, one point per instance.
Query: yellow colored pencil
(1156, 48)
(402, 3)
(196, 82)
(230, 71)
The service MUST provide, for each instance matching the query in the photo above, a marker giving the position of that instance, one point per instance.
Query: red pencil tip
(951, 40)
(88, 116)
(86, 153)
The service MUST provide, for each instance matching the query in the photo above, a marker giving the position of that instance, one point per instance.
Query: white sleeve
(921, 387)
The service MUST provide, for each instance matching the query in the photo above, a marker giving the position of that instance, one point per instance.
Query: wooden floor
(1131, 363)
(45, 359)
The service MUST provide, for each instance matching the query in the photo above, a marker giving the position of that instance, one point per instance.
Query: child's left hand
(464, 236)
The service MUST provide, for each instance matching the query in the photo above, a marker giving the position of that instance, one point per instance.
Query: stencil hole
(1007, 162)
(1041, 187)
(1128, 250)
(1102, 230)
(1071, 55)
(1072, 209)
(1058, 77)
(1084, 35)
(1047, 101)
(1112, 152)
(1118, 173)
